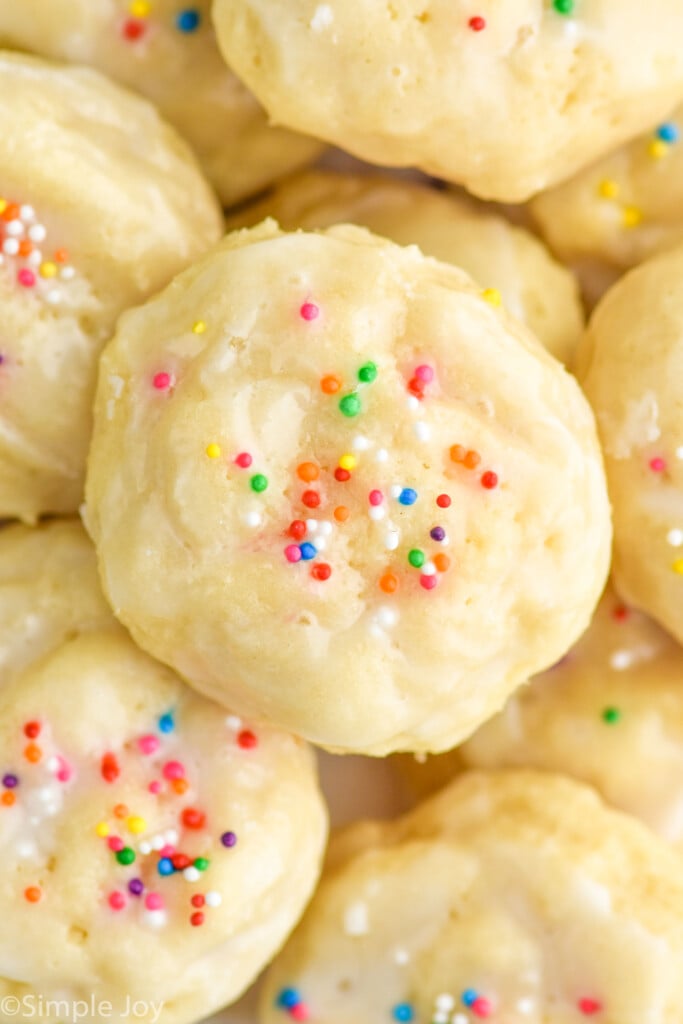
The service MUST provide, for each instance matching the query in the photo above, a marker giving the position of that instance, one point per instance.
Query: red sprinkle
(115, 844)
(197, 900)
(477, 24)
(309, 311)
(133, 29)
(658, 464)
(197, 919)
(621, 612)
(482, 1007)
(428, 582)
(297, 529)
(117, 901)
(311, 499)
(321, 571)
(342, 475)
(180, 861)
(247, 740)
(26, 278)
(192, 818)
(244, 460)
(300, 1012)
(443, 501)
(32, 730)
(589, 1006)
(489, 480)
(161, 381)
(416, 387)
(375, 497)
(110, 768)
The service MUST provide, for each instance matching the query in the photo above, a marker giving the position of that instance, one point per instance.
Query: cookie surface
(505, 101)
(156, 850)
(534, 288)
(630, 363)
(167, 51)
(336, 487)
(91, 222)
(515, 897)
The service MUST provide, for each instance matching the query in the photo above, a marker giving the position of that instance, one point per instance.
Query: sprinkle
(297, 530)
(489, 480)
(342, 475)
(330, 384)
(293, 553)
(148, 745)
(33, 753)
(167, 722)
(386, 617)
(389, 583)
(422, 431)
(608, 189)
(348, 462)
(229, 839)
(197, 900)
(469, 996)
(657, 149)
(564, 6)
(153, 901)
(341, 513)
(197, 919)
(438, 533)
(10, 781)
(213, 451)
(403, 1012)
(408, 496)
(311, 499)
(457, 453)
(611, 716)
(356, 919)
(117, 900)
(193, 818)
(589, 1006)
(477, 24)
(288, 998)
(173, 770)
(213, 899)
(48, 269)
(631, 216)
(110, 768)
(375, 497)
(492, 296)
(445, 1002)
(125, 856)
(677, 566)
(309, 311)
(136, 887)
(416, 558)
(482, 1007)
(391, 539)
(259, 483)
(133, 29)
(381, 455)
(198, 327)
(161, 381)
(442, 563)
(253, 519)
(188, 20)
(367, 373)
(428, 582)
(26, 278)
(247, 740)
(136, 825)
(300, 1012)
(666, 132)
(308, 551)
(33, 894)
(349, 405)
(307, 471)
(321, 571)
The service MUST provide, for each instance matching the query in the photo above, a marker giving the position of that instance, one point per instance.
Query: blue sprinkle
(188, 21)
(165, 866)
(166, 722)
(403, 1012)
(407, 496)
(288, 998)
(308, 551)
(469, 996)
(668, 132)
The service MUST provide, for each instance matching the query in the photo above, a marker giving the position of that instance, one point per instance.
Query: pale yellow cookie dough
(366, 504)
(534, 287)
(506, 108)
(630, 363)
(622, 209)
(515, 897)
(610, 713)
(166, 50)
(100, 204)
(124, 796)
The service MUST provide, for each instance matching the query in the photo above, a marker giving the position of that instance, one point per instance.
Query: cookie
(156, 851)
(630, 364)
(337, 487)
(166, 50)
(505, 99)
(534, 287)
(91, 221)
(511, 896)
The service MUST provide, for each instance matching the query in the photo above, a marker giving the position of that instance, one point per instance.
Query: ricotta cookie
(503, 98)
(166, 50)
(100, 204)
(631, 363)
(513, 896)
(610, 713)
(534, 288)
(335, 486)
(156, 851)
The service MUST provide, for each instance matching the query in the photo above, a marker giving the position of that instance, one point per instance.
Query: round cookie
(505, 99)
(630, 362)
(513, 896)
(156, 851)
(610, 714)
(535, 288)
(346, 500)
(92, 220)
(622, 209)
(166, 50)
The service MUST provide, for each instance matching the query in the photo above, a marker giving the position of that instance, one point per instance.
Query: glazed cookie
(622, 209)
(514, 896)
(610, 713)
(535, 288)
(336, 487)
(166, 50)
(156, 851)
(503, 98)
(631, 363)
(91, 222)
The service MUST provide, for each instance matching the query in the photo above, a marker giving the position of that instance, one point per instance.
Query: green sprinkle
(201, 863)
(564, 6)
(416, 558)
(126, 855)
(611, 716)
(259, 482)
(349, 405)
(367, 373)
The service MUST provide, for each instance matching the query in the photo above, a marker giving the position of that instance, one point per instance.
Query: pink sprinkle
(117, 900)
(300, 1012)
(64, 771)
(429, 582)
(292, 553)
(173, 770)
(589, 1006)
(244, 460)
(375, 497)
(482, 1007)
(154, 901)
(148, 744)
(425, 374)
(115, 844)
(309, 311)
(26, 278)
(162, 381)
(658, 464)
(155, 787)
(167, 851)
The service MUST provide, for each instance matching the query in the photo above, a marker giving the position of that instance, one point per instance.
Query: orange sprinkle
(457, 453)
(33, 753)
(61, 256)
(341, 513)
(472, 460)
(389, 583)
(330, 384)
(25, 247)
(8, 798)
(11, 211)
(180, 786)
(307, 471)
(442, 562)
(120, 811)
(33, 894)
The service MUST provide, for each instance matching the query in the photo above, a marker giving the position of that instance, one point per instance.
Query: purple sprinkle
(136, 886)
(438, 533)
(228, 839)
(10, 781)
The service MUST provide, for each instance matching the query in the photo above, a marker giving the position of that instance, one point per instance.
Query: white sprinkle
(459, 1018)
(53, 764)
(376, 512)
(322, 18)
(395, 490)
(145, 848)
(37, 233)
(381, 455)
(158, 842)
(391, 540)
(35, 258)
(66, 273)
(675, 538)
(445, 1002)
(360, 443)
(253, 519)
(422, 430)
(325, 528)
(213, 899)
(386, 617)
(401, 956)
(154, 918)
(440, 1017)
(27, 213)
(191, 874)
(679, 452)
(53, 296)
(233, 722)
(621, 659)
(429, 569)
(321, 543)
(10, 247)
(311, 525)
(171, 836)
(15, 229)
(26, 848)
(356, 919)
(413, 403)
(525, 1005)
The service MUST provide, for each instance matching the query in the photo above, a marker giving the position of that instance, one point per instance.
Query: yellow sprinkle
(213, 451)
(102, 830)
(48, 269)
(136, 825)
(348, 462)
(140, 8)
(608, 189)
(3, 205)
(631, 216)
(199, 327)
(678, 566)
(657, 149)
(493, 296)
